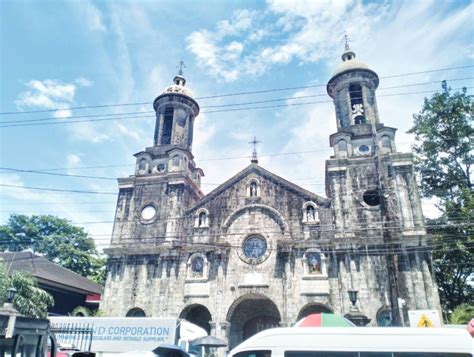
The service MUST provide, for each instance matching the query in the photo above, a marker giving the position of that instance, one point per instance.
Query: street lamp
(7, 308)
(353, 297)
(355, 315)
(11, 295)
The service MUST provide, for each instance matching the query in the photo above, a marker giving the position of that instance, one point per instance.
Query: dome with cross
(179, 83)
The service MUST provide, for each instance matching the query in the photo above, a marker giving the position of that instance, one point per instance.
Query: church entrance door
(312, 308)
(199, 315)
(249, 315)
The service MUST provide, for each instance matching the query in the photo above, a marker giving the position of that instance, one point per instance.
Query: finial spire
(348, 53)
(254, 159)
(180, 66)
(346, 42)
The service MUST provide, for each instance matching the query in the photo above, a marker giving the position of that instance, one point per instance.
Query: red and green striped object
(324, 320)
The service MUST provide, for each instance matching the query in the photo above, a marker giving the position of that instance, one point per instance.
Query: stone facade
(260, 251)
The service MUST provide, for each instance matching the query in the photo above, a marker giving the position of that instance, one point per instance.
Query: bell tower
(166, 181)
(373, 191)
(352, 88)
(175, 113)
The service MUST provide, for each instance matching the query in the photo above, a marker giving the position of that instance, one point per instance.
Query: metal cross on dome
(346, 41)
(181, 66)
(254, 159)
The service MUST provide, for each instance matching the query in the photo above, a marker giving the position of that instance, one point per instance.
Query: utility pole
(388, 230)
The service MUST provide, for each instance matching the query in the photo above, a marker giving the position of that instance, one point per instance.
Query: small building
(68, 289)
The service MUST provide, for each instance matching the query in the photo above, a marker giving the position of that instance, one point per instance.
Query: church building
(259, 251)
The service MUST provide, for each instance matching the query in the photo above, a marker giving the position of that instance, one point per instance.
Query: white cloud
(62, 114)
(48, 94)
(90, 15)
(241, 21)
(208, 54)
(313, 29)
(18, 193)
(128, 131)
(204, 130)
(90, 132)
(84, 82)
(73, 160)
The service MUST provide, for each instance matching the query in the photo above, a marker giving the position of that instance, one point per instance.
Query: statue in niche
(142, 165)
(314, 263)
(253, 189)
(197, 267)
(202, 219)
(310, 214)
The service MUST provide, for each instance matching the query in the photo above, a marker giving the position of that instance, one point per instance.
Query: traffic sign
(424, 318)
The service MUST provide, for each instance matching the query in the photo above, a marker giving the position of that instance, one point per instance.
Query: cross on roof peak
(254, 159)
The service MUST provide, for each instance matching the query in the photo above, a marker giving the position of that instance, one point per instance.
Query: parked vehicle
(113, 335)
(25, 337)
(357, 342)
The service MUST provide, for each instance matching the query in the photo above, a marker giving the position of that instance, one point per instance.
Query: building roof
(47, 273)
(255, 168)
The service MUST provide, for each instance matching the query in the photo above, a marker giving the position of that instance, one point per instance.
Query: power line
(117, 115)
(59, 203)
(134, 115)
(297, 239)
(153, 196)
(232, 94)
(326, 249)
(58, 190)
(56, 174)
(200, 160)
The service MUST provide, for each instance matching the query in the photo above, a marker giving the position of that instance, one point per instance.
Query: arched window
(310, 213)
(142, 165)
(167, 126)
(175, 160)
(384, 317)
(386, 143)
(202, 219)
(342, 145)
(313, 260)
(197, 267)
(342, 148)
(314, 264)
(253, 189)
(357, 103)
(136, 312)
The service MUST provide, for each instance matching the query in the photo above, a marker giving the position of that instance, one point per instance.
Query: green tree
(462, 314)
(29, 300)
(444, 132)
(55, 238)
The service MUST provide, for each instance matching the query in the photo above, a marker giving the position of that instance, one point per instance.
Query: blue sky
(63, 54)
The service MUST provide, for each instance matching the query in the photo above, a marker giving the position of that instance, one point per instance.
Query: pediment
(256, 170)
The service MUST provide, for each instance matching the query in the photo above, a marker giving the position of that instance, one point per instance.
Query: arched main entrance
(199, 315)
(136, 312)
(251, 314)
(312, 308)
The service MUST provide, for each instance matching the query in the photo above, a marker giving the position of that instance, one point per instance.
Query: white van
(356, 342)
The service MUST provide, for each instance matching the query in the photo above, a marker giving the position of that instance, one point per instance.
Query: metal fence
(77, 336)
